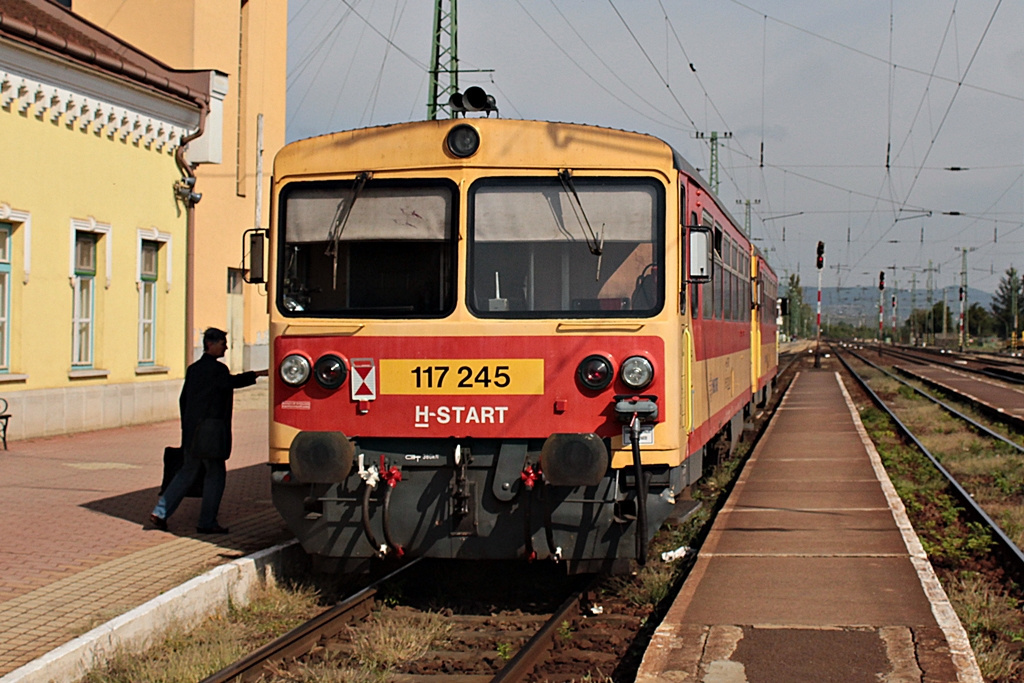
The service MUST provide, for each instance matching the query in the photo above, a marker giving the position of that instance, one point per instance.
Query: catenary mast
(444, 59)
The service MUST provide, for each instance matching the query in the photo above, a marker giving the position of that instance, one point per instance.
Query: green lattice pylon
(444, 58)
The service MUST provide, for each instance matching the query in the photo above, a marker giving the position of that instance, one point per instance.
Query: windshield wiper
(594, 244)
(341, 214)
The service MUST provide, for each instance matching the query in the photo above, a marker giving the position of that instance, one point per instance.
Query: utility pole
(713, 171)
(913, 307)
(839, 274)
(945, 312)
(1014, 287)
(444, 58)
(964, 331)
(930, 318)
(895, 290)
(746, 221)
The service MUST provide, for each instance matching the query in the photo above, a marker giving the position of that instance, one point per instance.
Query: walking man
(206, 403)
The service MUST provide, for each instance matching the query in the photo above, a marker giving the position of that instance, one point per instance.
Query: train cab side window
(682, 250)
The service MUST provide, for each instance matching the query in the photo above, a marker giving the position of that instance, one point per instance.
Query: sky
(845, 117)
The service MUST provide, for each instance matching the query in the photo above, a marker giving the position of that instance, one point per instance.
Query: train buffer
(811, 571)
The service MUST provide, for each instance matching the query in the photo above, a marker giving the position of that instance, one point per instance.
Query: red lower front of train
(470, 447)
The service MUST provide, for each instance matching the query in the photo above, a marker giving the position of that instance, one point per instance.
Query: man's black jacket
(209, 392)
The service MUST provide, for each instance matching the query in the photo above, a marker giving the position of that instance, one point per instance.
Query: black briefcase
(174, 456)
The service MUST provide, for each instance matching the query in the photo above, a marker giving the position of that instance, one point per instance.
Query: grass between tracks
(987, 602)
(186, 656)
(181, 655)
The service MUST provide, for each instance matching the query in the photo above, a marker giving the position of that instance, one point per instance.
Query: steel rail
(961, 493)
(532, 653)
(995, 369)
(945, 406)
(300, 639)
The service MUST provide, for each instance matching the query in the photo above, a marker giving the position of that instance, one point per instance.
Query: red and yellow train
(498, 339)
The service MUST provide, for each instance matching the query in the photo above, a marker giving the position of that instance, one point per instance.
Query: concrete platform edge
(186, 605)
(942, 608)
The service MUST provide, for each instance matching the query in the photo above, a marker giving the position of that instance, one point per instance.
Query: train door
(685, 328)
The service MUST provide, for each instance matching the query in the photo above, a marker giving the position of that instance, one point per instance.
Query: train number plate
(461, 377)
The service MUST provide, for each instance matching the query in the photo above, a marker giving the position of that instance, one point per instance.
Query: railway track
(1008, 369)
(969, 484)
(481, 643)
(989, 391)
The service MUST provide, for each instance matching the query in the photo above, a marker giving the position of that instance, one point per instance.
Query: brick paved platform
(811, 571)
(76, 548)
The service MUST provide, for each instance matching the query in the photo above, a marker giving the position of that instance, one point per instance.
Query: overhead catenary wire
(674, 125)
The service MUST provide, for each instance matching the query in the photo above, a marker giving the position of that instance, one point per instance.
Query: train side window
(694, 288)
(710, 288)
(719, 273)
(729, 282)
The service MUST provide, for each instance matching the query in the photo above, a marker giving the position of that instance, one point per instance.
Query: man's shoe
(215, 529)
(159, 522)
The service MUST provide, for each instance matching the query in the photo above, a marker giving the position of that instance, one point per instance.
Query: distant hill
(859, 305)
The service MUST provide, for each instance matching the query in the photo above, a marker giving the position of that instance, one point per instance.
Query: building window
(5, 296)
(84, 303)
(148, 273)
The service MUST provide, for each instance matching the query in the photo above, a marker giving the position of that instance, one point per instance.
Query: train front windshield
(540, 247)
(371, 249)
(537, 248)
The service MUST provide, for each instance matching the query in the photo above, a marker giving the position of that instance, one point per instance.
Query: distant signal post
(881, 308)
(820, 264)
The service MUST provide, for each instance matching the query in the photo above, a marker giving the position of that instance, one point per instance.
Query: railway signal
(881, 308)
(817, 346)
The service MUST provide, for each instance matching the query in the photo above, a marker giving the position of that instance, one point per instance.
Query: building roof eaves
(52, 28)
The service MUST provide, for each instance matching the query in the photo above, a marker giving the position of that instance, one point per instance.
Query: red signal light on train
(330, 371)
(595, 372)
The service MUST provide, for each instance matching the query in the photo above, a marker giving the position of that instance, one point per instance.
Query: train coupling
(644, 407)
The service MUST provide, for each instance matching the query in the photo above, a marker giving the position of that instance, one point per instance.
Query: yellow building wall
(248, 42)
(55, 174)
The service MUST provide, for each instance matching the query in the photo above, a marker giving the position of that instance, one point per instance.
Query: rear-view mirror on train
(700, 254)
(257, 241)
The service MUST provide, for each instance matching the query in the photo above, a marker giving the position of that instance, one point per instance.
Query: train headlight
(294, 370)
(463, 141)
(330, 371)
(595, 372)
(636, 372)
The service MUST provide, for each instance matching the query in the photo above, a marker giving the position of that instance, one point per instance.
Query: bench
(4, 417)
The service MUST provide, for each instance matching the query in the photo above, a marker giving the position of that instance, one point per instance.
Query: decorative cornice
(77, 111)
